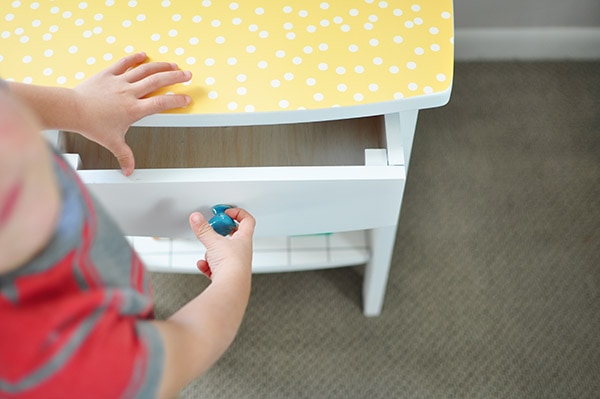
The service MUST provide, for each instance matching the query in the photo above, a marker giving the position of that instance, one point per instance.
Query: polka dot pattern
(244, 56)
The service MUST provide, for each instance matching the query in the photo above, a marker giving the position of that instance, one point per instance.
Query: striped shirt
(74, 320)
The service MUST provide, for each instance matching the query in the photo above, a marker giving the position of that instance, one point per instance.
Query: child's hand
(225, 254)
(113, 99)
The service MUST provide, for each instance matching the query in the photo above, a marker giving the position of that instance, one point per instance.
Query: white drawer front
(284, 200)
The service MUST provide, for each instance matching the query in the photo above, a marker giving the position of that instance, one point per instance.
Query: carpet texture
(494, 290)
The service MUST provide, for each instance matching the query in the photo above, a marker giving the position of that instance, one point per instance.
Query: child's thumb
(203, 231)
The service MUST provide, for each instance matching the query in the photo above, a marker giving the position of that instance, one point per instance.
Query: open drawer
(297, 179)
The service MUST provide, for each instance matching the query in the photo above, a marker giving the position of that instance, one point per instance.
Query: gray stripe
(57, 362)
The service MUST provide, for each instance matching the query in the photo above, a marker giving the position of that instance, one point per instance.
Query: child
(75, 302)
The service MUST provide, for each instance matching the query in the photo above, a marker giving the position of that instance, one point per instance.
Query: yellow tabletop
(245, 56)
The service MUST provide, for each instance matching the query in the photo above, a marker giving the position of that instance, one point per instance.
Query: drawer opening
(330, 143)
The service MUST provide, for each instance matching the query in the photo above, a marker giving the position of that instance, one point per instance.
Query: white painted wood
(284, 200)
(536, 43)
(297, 116)
(399, 136)
(378, 268)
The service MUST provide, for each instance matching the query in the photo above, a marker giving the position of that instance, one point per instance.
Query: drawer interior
(305, 144)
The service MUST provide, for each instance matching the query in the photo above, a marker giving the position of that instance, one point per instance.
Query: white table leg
(377, 269)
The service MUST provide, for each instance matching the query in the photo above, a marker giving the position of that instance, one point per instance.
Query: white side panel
(284, 201)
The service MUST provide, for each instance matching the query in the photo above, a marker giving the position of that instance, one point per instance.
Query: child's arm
(104, 106)
(200, 332)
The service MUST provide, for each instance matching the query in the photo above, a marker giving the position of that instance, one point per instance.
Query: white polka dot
(79, 22)
(111, 39)
(79, 75)
(398, 95)
(99, 17)
(297, 60)
(87, 34)
(280, 54)
(47, 36)
(398, 39)
(107, 57)
(16, 4)
(353, 12)
(263, 64)
(409, 24)
(61, 80)
(428, 89)
(49, 53)
(377, 61)
(287, 9)
(47, 71)
(411, 65)
(340, 70)
(446, 15)
(440, 77)
(53, 10)
(166, 3)
(215, 23)
(323, 66)
(213, 94)
(374, 42)
(368, 26)
(342, 88)
(190, 60)
(303, 13)
(179, 51)
(209, 61)
(338, 20)
(234, 6)
(173, 33)
(53, 28)
(232, 61)
(194, 41)
(155, 37)
(284, 104)
(163, 49)
(210, 81)
(353, 48)
(206, 3)
(324, 23)
(435, 47)
(383, 4)
(232, 106)
(236, 21)
(359, 69)
(418, 21)
(67, 14)
(97, 30)
(290, 35)
(433, 30)
(126, 23)
(259, 11)
(413, 86)
(249, 108)
(318, 97)
(241, 77)
(419, 51)
(28, 79)
(324, 6)
(24, 39)
(288, 76)
(415, 7)
(35, 5)
(288, 26)
(109, 3)
(373, 18)
(397, 12)
(176, 17)
(275, 83)
(220, 39)
(132, 3)
(394, 69)
(196, 19)
(250, 49)
(90, 61)
(36, 23)
(140, 18)
(73, 50)
(358, 97)
(263, 34)
(241, 91)
(308, 49)
(323, 47)
(311, 81)
(373, 87)
(345, 28)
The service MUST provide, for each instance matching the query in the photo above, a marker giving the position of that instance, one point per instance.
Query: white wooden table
(254, 64)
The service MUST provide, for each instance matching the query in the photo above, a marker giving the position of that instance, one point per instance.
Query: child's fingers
(204, 268)
(144, 70)
(125, 63)
(244, 218)
(203, 231)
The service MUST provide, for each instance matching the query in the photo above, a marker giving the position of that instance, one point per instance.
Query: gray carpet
(495, 285)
